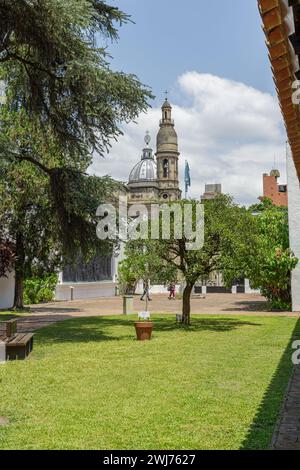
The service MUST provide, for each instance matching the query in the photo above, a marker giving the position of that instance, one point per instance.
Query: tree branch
(32, 160)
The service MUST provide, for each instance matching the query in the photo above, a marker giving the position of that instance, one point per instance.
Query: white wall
(249, 290)
(7, 287)
(85, 290)
(294, 223)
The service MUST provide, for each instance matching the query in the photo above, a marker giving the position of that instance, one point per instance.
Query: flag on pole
(187, 178)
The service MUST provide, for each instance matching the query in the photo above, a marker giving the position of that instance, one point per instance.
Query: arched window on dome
(166, 168)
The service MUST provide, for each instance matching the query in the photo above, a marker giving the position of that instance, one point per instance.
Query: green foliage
(54, 68)
(37, 291)
(142, 262)
(262, 254)
(64, 105)
(171, 259)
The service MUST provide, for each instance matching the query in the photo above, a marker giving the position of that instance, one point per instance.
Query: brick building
(273, 190)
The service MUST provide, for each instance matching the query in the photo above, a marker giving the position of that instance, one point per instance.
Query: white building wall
(7, 289)
(294, 223)
(249, 290)
(85, 290)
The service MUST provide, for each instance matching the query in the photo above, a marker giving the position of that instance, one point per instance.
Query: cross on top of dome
(147, 138)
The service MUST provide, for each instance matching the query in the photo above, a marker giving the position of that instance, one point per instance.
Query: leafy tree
(268, 261)
(64, 103)
(172, 258)
(142, 262)
(44, 225)
(53, 67)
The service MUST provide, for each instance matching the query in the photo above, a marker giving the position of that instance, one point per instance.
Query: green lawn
(90, 385)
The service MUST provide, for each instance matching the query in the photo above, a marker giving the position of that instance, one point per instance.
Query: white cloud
(228, 131)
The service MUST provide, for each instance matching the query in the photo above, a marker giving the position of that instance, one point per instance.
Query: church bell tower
(167, 157)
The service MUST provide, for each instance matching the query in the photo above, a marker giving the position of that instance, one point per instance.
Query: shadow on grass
(249, 306)
(260, 434)
(55, 309)
(203, 324)
(99, 329)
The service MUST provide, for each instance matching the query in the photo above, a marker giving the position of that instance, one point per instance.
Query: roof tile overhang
(281, 25)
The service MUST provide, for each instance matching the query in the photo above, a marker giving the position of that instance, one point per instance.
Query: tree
(43, 225)
(268, 261)
(63, 104)
(53, 67)
(143, 263)
(172, 257)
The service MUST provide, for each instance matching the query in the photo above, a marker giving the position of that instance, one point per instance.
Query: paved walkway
(212, 304)
(287, 434)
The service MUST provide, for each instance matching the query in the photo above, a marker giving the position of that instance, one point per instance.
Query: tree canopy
(170, 258)
(267, 259)
(238, 243)
(53, 68)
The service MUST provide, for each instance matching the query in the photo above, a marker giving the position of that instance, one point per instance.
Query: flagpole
(187, 178)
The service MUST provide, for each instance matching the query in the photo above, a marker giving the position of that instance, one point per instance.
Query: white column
(294, 224)
(7, 290)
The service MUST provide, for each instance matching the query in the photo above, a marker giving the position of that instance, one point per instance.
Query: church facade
(155, 178)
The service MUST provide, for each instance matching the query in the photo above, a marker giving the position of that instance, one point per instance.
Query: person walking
(146, 293)
(172, 293)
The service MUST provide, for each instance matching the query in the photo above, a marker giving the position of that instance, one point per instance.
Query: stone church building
(155, 178)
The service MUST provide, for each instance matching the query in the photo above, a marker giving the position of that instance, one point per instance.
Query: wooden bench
(18, 345)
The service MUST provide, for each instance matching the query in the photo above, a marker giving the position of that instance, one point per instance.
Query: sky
(212, 59)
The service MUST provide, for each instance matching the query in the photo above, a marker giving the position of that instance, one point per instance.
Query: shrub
(37, 291)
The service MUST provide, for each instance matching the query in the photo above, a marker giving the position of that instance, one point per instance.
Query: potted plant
(144, 327)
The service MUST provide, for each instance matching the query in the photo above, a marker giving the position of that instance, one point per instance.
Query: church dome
(145, 170)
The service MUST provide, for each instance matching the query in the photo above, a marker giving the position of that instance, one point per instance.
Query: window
(166, 168)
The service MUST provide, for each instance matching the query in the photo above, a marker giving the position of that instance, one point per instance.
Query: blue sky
(212, 58)
(171, 37)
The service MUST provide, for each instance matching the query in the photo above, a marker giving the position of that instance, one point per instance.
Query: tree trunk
(186, 304)
(19, 273)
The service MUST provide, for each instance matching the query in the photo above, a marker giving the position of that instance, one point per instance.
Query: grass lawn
(90, 385)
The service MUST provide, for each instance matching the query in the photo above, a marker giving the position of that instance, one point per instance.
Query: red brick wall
(271, 191)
